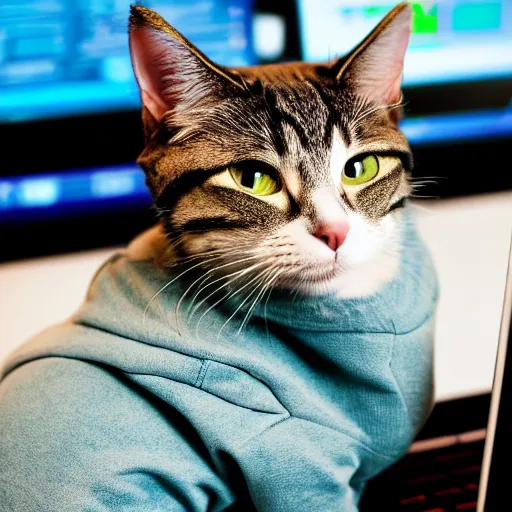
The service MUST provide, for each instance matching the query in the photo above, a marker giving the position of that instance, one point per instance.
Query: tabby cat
(288, 175)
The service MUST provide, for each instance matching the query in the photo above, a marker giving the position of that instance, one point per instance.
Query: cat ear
(375, 67)
(172, 74)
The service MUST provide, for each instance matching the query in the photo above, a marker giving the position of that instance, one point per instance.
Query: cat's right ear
(172, 74)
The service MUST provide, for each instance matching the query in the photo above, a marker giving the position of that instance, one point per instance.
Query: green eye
(357, 172)
(255, 181)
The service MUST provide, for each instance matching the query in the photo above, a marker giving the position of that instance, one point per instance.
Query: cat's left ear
(172, 74)
(375, 67)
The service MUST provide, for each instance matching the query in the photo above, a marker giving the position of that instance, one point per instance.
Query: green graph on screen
(424, 21)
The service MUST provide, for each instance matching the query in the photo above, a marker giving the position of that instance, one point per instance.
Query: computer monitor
(70, 125)
(70, 57)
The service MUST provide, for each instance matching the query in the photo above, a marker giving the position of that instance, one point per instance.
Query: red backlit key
(447, 492)
(413, 499)
(466, 506)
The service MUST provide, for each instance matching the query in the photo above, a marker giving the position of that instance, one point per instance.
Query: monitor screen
(70, 57)
(451, 40)
(74, 192)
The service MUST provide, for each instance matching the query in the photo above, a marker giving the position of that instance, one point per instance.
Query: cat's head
(291, 174)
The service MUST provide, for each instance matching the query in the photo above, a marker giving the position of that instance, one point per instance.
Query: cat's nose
(332, 233)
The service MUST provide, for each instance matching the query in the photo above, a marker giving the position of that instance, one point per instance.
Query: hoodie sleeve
(76, 437)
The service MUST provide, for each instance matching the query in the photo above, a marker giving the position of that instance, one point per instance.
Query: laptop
(465, 467)
(494, 491)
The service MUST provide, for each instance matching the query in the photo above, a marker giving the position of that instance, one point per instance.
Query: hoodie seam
(338, 431)
(392, 330)
(252, 438)
(202, 373)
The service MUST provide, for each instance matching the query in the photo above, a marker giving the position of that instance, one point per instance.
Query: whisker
(423, 182)
(193, 307)
(180, 301)
(258, 296)
(414, 178)
(195, 256)
(239, 274)
(166, 286)
(225, 297)
(219, 279)
(254, 289)
(416, 196)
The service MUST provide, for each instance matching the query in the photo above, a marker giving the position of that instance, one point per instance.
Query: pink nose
(332, 233)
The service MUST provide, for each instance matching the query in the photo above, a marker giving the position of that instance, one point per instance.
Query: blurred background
(70, 131)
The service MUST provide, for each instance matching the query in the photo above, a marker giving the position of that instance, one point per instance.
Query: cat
(290, 175)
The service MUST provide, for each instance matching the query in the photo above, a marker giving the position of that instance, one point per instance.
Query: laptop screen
(494, 486)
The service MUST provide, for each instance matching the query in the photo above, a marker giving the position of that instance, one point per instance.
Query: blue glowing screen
(68, 57)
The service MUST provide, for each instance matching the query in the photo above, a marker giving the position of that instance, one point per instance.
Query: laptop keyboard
(440, 480)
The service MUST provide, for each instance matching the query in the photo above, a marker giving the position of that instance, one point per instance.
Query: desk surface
(469, 239)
